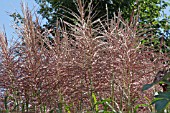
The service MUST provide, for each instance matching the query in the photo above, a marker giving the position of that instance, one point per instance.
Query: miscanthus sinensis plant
(103, 57)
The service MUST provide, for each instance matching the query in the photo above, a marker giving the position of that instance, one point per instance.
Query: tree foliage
(150, 12)
(52, 9)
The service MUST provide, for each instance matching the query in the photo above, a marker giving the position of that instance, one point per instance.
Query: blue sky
(12, 6)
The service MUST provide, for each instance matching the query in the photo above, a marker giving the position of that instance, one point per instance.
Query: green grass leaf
(164, 95)
(147, 86)
(161, 104)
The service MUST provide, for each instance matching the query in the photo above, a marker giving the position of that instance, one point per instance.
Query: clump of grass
(95, 60)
